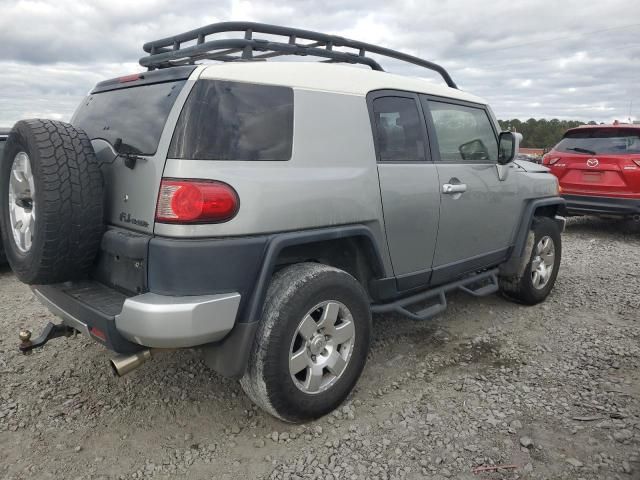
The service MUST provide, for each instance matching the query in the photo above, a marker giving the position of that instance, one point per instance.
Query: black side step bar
(478, 285)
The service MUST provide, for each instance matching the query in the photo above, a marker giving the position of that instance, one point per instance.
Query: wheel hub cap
(321, 347)
(22, 208)
(543, 262)
(317, 345)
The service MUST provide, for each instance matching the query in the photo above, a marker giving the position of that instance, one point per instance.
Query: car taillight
(553, 160)
(131, 78)
(637, 162)
(196, 201)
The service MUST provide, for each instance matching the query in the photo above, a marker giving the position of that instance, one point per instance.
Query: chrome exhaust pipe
(123, 364)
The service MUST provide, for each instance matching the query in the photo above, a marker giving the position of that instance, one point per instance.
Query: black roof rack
(169, 52)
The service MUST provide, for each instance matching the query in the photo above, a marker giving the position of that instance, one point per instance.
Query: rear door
(600, 161)
(409, 185)
(478, 211)
(129, 114)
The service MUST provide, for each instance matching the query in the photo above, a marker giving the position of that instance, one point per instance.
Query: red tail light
(196, 201)
(637, 162)
(99, 334)
(551, 161)
(131, 78)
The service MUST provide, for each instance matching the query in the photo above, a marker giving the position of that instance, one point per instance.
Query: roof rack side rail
(168, 52)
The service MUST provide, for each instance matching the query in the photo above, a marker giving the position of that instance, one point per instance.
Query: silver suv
(261, 211)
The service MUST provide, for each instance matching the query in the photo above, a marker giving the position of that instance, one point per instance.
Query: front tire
(540, 274)
(312, 342)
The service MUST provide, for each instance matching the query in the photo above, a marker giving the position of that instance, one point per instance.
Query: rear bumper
(594, 205)
(160, 321)
(127, 324)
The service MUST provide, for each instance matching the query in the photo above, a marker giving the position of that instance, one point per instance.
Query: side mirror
(507, 147)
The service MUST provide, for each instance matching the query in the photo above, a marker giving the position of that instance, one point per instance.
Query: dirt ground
(550, 392)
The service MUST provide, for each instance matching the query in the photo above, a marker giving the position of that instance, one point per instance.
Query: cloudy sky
(569, 59)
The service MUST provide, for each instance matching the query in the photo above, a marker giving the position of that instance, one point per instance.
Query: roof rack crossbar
(169, 51)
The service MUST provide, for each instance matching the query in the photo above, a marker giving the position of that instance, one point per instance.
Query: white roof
(340, 78)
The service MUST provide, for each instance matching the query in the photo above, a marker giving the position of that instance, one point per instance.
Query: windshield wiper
(582, 150)
(130, 158)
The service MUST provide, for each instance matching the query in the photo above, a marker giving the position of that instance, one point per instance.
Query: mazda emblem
(592, 162)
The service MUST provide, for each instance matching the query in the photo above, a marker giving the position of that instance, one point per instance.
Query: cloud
(528, 59)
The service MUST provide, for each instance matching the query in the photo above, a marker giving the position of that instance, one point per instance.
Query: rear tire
(312, 342)
(539, 277)
(51, 229)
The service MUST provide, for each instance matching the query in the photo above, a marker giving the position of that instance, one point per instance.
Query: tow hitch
(50, 331)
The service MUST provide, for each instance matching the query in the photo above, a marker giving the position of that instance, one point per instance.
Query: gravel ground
(551, 390)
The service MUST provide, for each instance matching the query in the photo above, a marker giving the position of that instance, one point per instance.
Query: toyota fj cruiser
(261, 211)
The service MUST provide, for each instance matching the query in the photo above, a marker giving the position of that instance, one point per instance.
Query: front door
(478, 211)
(409, 185)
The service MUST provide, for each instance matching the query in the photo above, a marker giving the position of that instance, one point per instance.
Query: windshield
(134, 115)
(594, 141)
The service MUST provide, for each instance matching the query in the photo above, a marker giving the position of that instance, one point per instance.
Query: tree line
(541, 133)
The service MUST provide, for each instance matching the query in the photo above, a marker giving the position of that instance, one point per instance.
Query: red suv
(598, 167)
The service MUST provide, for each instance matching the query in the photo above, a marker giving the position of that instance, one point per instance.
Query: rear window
(224, 120)
(136, 115)
(601, 140)
(399, 130)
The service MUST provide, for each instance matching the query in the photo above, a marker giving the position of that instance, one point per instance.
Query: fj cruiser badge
(127, 218)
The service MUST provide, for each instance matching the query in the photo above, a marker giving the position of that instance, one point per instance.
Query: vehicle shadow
(597, 225)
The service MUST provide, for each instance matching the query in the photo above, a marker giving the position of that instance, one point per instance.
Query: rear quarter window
(223, 120)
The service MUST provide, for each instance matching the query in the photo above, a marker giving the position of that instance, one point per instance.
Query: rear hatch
(130, 122)
(598, 161)
(125, 119)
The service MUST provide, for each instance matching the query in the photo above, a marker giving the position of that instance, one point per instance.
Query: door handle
(451, 189)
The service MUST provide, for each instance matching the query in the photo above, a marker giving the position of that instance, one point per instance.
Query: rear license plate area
(592, 177)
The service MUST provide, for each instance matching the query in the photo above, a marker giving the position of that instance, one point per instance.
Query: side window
(223, 120)
(464, 133)
(399, 130)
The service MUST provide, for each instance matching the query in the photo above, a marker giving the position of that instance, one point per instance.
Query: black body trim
(409, 281)
(452, 271)
(243, 257)
(279, 242)
(517, 256)
(206, 267)
(594, 205)
(527, 220)
(122, 261)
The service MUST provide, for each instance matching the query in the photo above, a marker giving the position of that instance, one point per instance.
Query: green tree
(540, 133)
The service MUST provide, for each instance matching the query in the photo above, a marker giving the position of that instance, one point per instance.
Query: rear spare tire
(51, 197)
